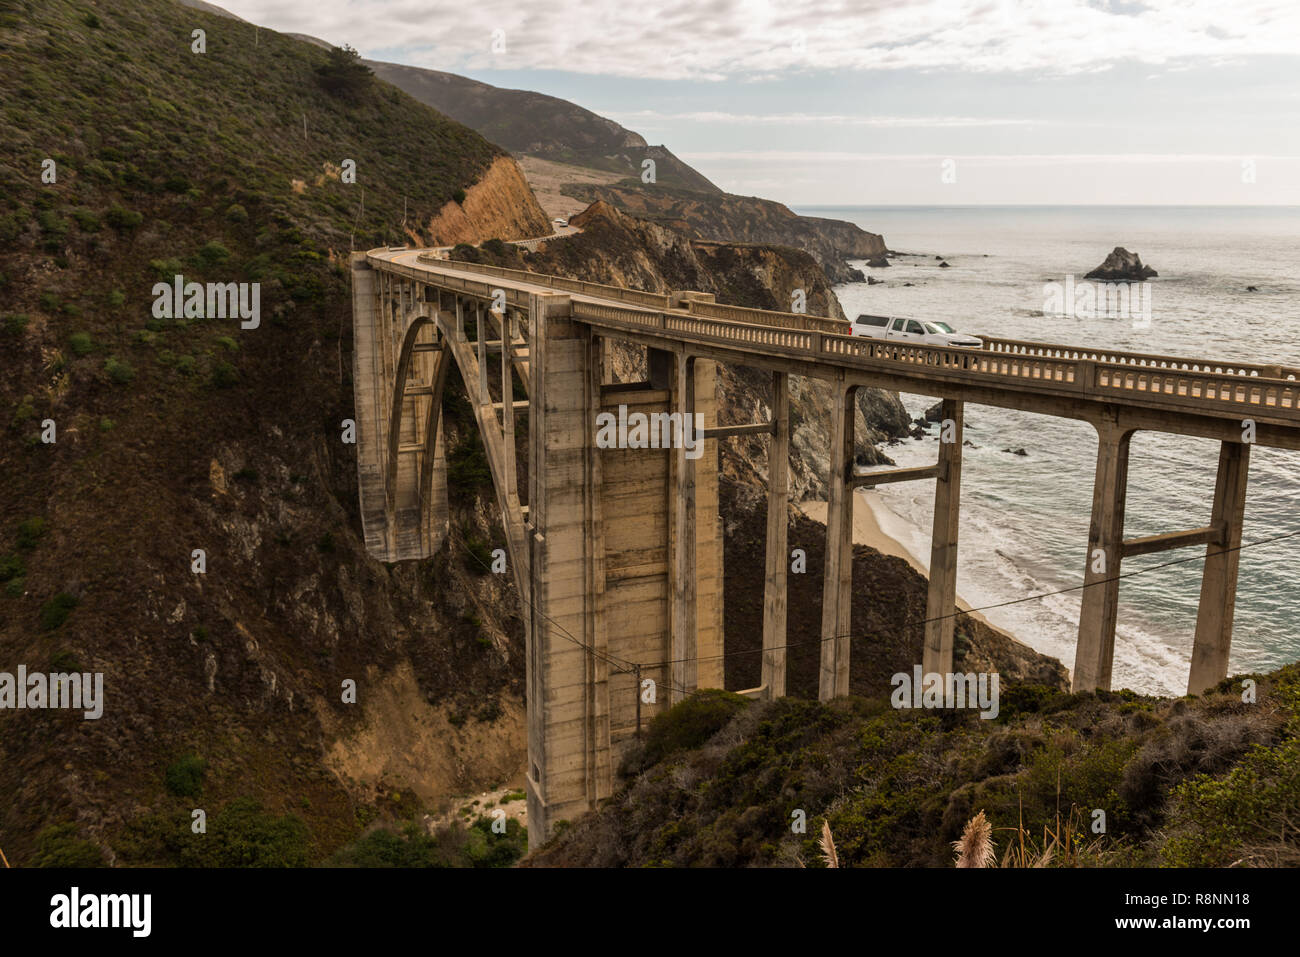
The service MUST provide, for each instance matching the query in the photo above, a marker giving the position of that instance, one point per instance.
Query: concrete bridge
(617, 553)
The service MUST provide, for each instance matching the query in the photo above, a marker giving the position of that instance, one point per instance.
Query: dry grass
(827, 844)
(975, 848)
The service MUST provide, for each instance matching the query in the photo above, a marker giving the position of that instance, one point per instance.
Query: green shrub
(11, 566)
(86, 220)
(15, 325)
(60, 846)
(1248, 813)
(65, 662)
(30, 532)
(224, 375)
(236, 213)
(123, 220)
(344, 75)
(120, 372)
(459, 196)
(167, 268)
(81, 343)
(214, 254)
(480, 556)
(467, 466)
(690, 723)
(55, 611)
(25, 411)
(184, 777)
(241, 834)
(16, 588)
(106, 424)
(227, 343)
(116, 298)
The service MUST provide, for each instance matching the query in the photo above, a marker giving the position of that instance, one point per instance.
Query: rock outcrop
(728, 218)
(1122, 266)
(499, 205)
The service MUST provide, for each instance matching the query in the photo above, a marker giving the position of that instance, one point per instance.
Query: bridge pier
(778, 527)
(1095, 651)
(941, 595)
(682, 543)
(837, 570)
(1213, 639)
(563, 736)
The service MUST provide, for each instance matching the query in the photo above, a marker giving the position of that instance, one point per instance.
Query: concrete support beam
(778, 525)
(508, 410)
(941, 598)
(1150, 544)
(727, 431)
(684, 670)
(837, 572)
(1213, 639)
(1095, 651)
(890, 476)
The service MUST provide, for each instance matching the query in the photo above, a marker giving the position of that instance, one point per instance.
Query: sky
(878, 102)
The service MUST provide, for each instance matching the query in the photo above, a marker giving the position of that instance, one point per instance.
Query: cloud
(642, 118)
(758, 39)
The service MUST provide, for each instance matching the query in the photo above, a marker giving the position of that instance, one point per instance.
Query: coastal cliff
(730, 218)
(498, 204)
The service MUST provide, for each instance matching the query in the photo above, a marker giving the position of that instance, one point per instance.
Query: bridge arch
(427, 328)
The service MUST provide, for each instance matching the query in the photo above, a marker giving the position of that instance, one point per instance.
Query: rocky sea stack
(1122, 265)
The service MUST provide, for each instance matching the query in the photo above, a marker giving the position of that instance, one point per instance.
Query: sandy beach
(867, 530)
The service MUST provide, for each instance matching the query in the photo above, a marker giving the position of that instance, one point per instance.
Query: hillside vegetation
(1208, 782)
(222, 689)
(539, 125)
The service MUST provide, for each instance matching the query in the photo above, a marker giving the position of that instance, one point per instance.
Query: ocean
(1025, 518)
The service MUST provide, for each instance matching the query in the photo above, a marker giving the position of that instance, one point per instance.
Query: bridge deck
(1051, 378)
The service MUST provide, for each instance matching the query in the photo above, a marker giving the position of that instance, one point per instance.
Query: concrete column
(508, 407)
(558, 673)
(370, 390)
(941, 599)
(683, 646)
(837, 581)
(599, 760)
(778, 525)
(1219, 582)
(1095, 651)
(481, 323)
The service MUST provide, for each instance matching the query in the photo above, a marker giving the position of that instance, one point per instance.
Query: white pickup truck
(923, 332)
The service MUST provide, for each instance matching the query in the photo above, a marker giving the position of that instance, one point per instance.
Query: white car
(925, 332)
(561, 224)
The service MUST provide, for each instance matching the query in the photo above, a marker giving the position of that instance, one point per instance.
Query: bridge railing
(713, 310)
(1073, 373)
(1194, 384)
(1052, 350)
(654, 300)
(767, 317)
(1196, 390)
